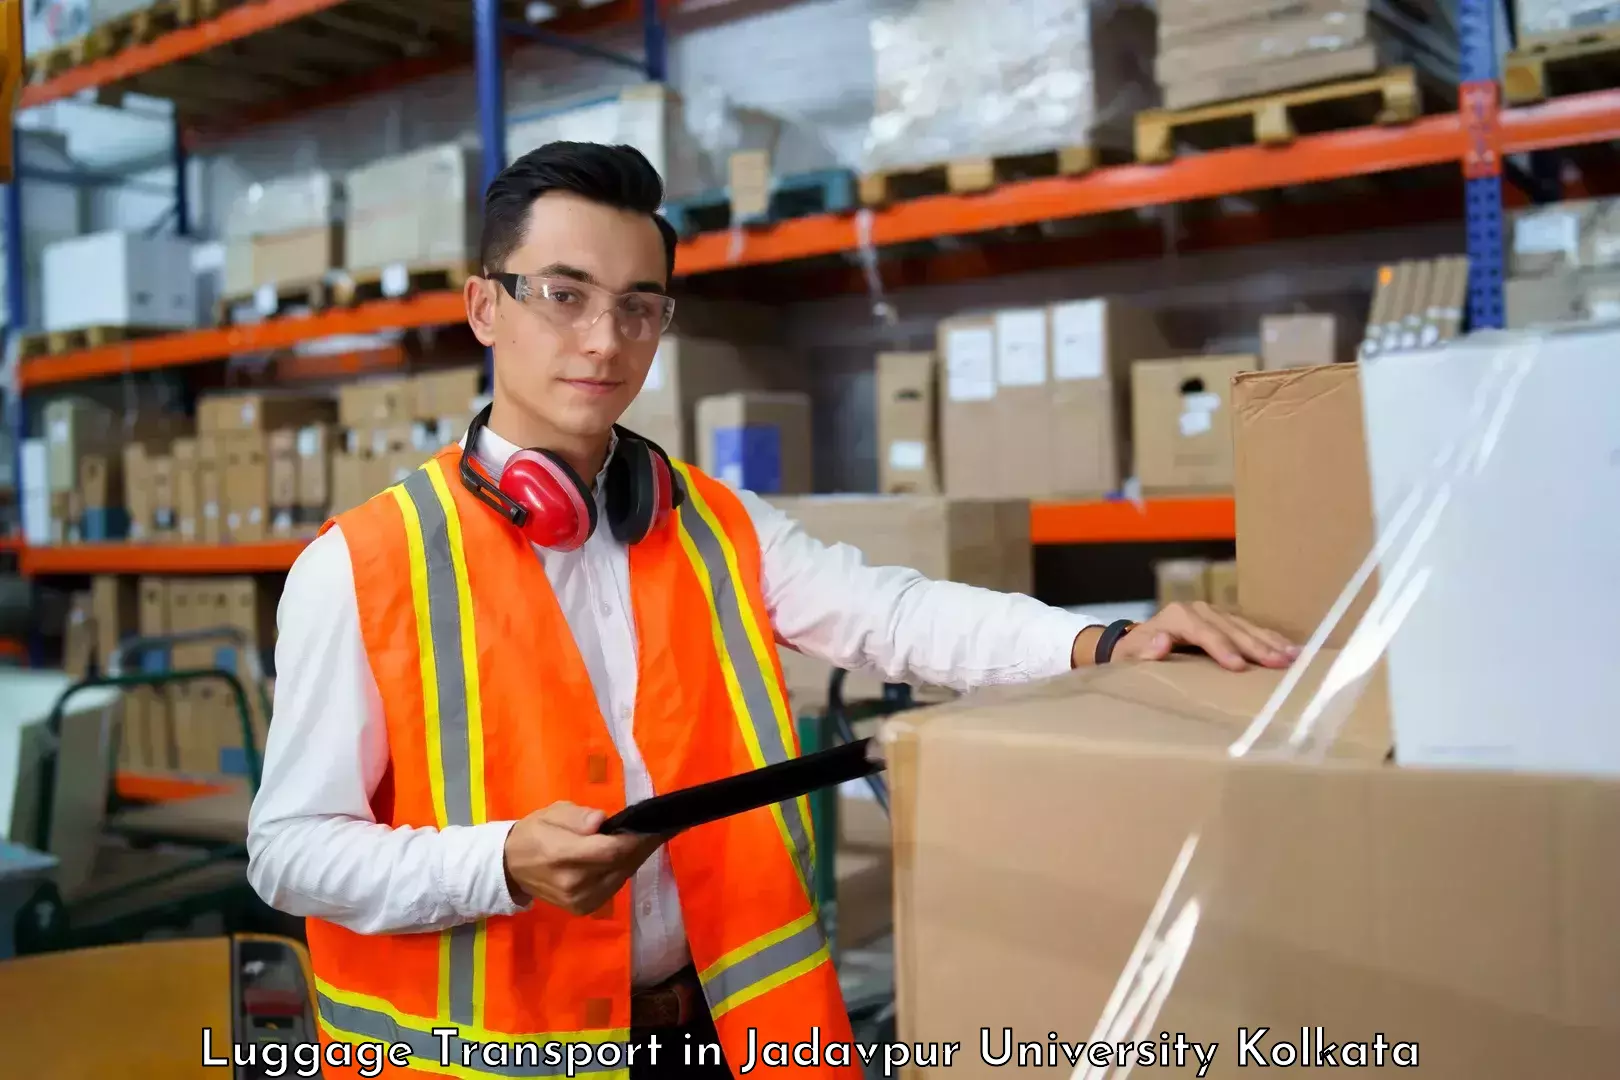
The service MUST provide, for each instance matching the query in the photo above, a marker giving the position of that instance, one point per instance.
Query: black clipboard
(677, 811)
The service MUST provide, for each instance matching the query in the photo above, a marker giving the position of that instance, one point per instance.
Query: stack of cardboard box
(196, 727)
(1257, 908)
(1564, 264)
(1220, 50)
(416, 210)
(1187, 581)
(391, 425)
(287, 231)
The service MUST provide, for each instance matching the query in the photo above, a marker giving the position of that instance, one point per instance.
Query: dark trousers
(696, 1036)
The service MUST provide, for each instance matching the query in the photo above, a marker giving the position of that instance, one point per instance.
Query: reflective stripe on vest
(741, 644)
(764, 964)
(442, 601)
(357, 1019)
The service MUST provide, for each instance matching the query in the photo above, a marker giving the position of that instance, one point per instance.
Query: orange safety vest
(491, 716)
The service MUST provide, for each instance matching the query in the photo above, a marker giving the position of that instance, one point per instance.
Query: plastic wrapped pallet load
(1558, 18)
(417, 210)
(959, 78)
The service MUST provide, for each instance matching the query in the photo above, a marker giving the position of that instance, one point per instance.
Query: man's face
(562, 354)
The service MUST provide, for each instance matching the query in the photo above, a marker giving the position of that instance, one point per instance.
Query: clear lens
(577, 305)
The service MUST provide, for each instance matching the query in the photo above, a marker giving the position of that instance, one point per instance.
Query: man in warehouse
(551, 621)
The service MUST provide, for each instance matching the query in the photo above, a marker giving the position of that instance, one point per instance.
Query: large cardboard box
(1088, 857)
(1303, 497)
(908, 423)
(1181, 412)
(75, 427)
(983, 542)
(967, 351)
(246, 482)
(419, 209)
(757, 440)
(687, 369)
(1295, 341)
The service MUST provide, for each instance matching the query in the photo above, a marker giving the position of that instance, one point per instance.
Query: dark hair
(618, 176)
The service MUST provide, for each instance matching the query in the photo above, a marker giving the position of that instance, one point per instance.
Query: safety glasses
(579, 306)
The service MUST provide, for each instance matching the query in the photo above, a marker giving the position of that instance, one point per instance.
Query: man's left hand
(1230, 639)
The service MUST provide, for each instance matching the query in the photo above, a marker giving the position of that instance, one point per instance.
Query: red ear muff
(663, 490)
(559, 511)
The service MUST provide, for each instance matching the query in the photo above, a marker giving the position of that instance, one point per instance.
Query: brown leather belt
(672, 1003)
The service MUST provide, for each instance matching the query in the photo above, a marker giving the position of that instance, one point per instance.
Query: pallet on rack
(89, 337)
(120, 33)
(969, 175)
(401, 279)
(821, 191)
(1569, 63)
(268, 300)
(1390, 97)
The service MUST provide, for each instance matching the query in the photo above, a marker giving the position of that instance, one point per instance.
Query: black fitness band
(1110, 637)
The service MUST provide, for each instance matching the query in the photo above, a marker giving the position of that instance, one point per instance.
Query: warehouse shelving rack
(1477, 138)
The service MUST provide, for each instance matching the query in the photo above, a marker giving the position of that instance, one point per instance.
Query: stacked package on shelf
(1417, 304)
(1552, 20)
(283, 233)
(689, 143)
(1220, 50)
(419, 210)
(1564, 264)
(141, 282)
(390, 426)
(196, 727)
(960, 78)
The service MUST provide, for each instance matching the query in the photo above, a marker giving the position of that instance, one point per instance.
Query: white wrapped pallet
(959, 78)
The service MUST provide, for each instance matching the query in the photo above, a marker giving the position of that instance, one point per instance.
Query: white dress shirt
(316, 849)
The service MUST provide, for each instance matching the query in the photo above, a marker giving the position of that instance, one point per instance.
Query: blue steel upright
(1478, 96)
(655, 41)
(491, 92)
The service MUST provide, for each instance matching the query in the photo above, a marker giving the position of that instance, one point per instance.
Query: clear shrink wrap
(960, 78)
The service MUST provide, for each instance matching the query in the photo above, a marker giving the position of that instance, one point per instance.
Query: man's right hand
(556, 855)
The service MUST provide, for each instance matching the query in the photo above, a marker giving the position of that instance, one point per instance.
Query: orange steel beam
(238, 22)
(1577, 120)
(1311, 159)
(268, 557)
(153, 787)
(198, 346)
(1111, 522)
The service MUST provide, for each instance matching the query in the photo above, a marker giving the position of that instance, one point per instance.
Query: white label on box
(309, 441)
(188, 528)
(1548, 232)
(395, 280)
(1021, 348)
(250, 409)
(908, 454)
(655, 373)
(233, 521)
(254, 516)
(264, 300)
(59, 431)
(970, 363)
(379, 442)
(1197, 413)
(1077, 341)
(211, 511)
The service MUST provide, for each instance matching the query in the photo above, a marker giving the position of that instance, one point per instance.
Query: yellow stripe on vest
(447, 641)
(756, 697)
(360, 1018)
(765, 963)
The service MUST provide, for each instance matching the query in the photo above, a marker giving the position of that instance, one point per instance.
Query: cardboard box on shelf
(102, 516)
(376, 402)
(187, 491)
(418, 209)
(79, 636)
(75, 427)
(165, 506)
(756, 440)
(982, 542)
(1417, 303)
(1181, 581)
(211, 461)
(351, 480)
(446, 397)
(1286, 895)
(1556, 299)
(1222, 585)
(148, 711)
(1181, 420)
(230, 414)
(141, 281)
(967, 351)
(1295, 341)
(283, 231)
(908, 423)
(687, 369)
(246, 488)
(282, 464)
(115, 610)
(1578, 234)
(1303, 496)
(315, 446)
